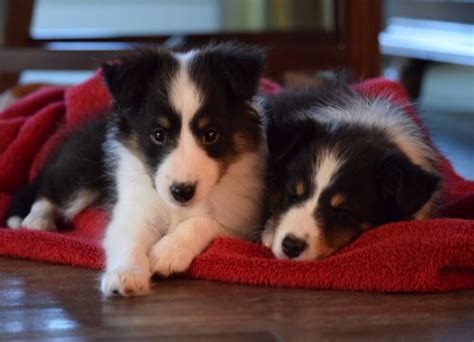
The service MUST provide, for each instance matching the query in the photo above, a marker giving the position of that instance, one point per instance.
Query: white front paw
(168, 256)
(37, 221)
(267, 236)
(14, 222)
(127, 281)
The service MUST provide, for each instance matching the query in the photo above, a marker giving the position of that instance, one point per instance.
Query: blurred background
(428, 46)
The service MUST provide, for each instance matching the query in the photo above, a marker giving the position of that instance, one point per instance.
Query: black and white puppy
(341, 163)
(179, 161)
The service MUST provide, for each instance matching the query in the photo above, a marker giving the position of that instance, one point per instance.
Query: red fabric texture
(418, 256)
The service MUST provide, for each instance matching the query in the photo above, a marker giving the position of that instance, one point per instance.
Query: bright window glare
(427, 39)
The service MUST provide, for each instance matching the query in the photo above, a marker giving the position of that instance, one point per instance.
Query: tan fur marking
(203, 122)
(299, 188)
(323, 248)
(241, 143)
(326, 247)
(337, 200)
(163, 122)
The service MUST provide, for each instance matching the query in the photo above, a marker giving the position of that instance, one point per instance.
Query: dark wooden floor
(43, 301)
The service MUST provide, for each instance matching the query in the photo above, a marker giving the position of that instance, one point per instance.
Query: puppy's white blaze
(300, 220)
(185, 57)
(188, 163)
(184, 95)
(327, 166)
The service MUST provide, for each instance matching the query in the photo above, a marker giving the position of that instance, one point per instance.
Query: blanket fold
(417, 256)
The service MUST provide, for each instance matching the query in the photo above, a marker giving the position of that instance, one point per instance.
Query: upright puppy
(179, 161)
(341, 163)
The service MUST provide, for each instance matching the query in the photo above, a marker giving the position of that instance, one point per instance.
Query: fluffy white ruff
(383, 114)
(402, 131)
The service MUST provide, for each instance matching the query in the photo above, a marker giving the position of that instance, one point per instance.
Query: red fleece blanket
(422, 256)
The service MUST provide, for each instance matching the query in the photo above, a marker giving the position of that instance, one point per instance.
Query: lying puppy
(179, 161)
(341, 163)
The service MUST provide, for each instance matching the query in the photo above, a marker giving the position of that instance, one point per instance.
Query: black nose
(182, 192)
(292, 246)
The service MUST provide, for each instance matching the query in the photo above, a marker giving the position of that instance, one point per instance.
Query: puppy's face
(190, 117)
(329, 184)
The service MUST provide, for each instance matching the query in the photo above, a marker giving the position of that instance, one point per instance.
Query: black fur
(78, 163)
(227, 74)
(136, 76)
(236, 68)
(23, 200)
(405, 185)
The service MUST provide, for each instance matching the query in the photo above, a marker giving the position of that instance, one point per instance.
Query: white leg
(268, 234)
(138, 220)
(41, 217)
(175, 251)
(127, 242)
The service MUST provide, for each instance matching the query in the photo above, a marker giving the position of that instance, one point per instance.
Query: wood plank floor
(43, 301)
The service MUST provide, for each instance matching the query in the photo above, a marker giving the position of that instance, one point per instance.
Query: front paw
(169, 256)
(267, 236)
(39, 222)
(127, 281)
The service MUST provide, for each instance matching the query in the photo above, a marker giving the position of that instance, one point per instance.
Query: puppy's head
(330, 182)
(188, 116)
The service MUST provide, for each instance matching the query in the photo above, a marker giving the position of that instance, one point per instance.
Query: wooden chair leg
(8, 80)
(17, 20)
(411, 77)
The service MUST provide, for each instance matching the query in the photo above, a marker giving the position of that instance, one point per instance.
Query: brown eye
(158, 136)
(210, 136)
(298, 189)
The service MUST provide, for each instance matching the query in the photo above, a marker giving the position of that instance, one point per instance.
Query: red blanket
(422, 256)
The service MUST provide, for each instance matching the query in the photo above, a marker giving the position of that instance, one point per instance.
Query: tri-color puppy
(179, 161)
(341, 163)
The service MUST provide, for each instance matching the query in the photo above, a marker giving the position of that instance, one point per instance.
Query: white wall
(123, 17)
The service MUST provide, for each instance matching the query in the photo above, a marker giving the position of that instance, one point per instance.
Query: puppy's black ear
(128, 78)
(126, 82)
(405, 185)
(284, 137)
(280, 141)
(238, 66)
